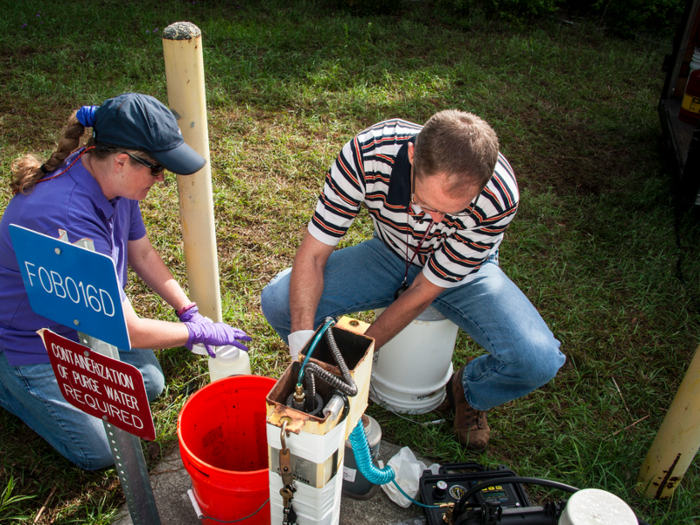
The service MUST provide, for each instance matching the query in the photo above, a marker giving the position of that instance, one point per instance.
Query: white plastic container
(596, 507)
(411, 370)
(230, 361)
(695, 60)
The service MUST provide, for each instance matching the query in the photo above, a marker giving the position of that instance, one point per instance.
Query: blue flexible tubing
(363, 458)
(320, 333)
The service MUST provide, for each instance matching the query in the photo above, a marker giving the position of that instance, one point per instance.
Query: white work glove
(297, 340)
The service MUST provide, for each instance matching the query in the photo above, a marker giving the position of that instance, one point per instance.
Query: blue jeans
(522, 352)
(31, 393)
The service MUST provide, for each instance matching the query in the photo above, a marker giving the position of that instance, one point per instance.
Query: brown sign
(100, 386)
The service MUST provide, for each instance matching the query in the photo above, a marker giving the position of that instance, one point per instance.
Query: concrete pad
(170, 483)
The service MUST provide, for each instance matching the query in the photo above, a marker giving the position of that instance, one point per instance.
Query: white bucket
(596, 507)
(410, 371)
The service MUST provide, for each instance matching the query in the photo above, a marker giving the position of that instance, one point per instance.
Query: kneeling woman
(94, 192)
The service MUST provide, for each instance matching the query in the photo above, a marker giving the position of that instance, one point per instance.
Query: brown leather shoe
(471, 426)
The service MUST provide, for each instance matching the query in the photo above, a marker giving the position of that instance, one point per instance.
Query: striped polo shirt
(373, 169)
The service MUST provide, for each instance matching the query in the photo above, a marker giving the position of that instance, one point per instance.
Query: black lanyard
(404, 285)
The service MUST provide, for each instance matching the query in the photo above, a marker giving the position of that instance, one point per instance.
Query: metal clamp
(288, 489)
(283, 433)
(285, 459)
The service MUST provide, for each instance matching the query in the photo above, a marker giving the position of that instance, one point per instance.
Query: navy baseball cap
(141, 122)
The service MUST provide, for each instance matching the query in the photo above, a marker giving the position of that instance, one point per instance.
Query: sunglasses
(156, 169)
(464, 213)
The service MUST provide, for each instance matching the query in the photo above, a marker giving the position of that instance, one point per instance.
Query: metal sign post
(77, 287)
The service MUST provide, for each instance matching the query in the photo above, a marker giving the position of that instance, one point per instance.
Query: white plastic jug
(230, 361)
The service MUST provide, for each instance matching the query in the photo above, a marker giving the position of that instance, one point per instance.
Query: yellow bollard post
(678, 440)
(184, 73)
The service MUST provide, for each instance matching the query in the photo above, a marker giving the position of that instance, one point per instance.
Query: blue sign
(70, 285)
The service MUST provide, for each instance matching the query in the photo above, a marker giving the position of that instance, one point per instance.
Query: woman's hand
(215, 334)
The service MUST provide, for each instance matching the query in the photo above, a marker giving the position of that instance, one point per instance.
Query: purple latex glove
(215, 334)
(192, 316)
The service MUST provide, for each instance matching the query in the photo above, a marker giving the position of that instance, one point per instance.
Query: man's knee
(274, 302)
(267, 302)
(541, 360)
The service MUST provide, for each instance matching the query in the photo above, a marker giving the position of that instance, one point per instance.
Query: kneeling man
(441, 197)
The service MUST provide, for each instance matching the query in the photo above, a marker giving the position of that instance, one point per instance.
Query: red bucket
(223, 445)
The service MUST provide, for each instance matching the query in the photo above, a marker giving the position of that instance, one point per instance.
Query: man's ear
(411, 151)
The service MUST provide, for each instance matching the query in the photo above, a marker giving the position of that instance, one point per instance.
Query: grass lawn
(594, 246)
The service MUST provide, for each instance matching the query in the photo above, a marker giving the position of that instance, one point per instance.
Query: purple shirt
(73, 202)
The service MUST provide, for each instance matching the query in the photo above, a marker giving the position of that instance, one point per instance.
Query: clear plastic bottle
(230, 361)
